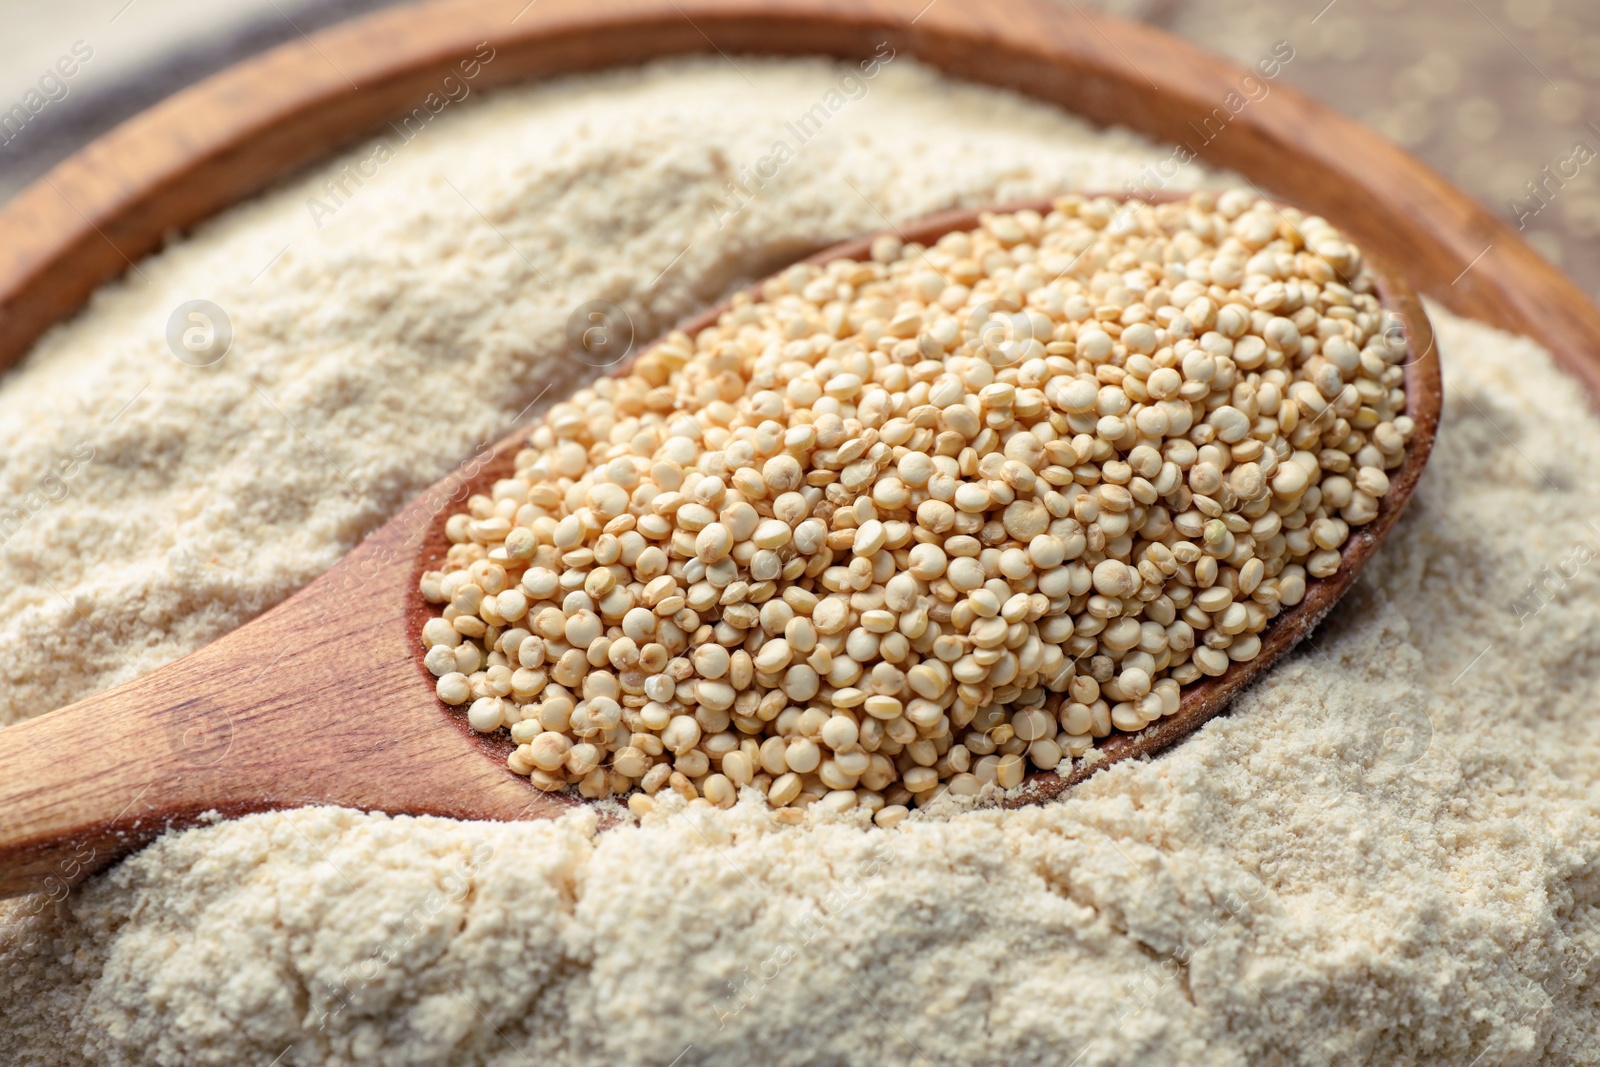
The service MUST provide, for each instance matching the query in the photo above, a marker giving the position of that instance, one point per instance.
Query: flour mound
(1386, 853)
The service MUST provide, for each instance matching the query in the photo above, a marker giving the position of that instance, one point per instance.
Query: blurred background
(1490, 92)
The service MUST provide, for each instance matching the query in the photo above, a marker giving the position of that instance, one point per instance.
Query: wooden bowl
(234, 134)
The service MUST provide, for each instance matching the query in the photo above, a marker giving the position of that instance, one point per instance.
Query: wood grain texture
(266, 718)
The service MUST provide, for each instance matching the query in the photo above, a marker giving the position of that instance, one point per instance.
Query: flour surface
(1386, 853)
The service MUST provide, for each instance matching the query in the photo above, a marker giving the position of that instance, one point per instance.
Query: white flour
(1386, 853)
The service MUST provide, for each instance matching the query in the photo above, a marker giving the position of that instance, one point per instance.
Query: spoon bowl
(324, 699)
(1201, 700)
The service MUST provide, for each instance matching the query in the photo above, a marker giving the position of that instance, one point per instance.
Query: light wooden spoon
(324, 699)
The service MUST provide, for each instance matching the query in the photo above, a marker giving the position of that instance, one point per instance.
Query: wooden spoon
(324, 699)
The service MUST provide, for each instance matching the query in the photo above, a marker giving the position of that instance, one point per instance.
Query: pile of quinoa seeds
(932, 520)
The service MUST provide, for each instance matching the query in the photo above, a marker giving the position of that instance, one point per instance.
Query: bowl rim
(214, 144)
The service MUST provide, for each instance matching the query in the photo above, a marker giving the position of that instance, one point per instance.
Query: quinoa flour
(1386, 853)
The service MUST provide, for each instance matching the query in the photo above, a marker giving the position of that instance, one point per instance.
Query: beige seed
(840, 733)
(681, 734)
(891, 815)
(1045, 754)
(631, 762)
(713, 543)
(738, 769)
(485, 714)
(972, 498)
(1009, 772)
(720, 791)
(785, 788)
(453, 688)
(802, 755)
(869, 538)
(1033, 724)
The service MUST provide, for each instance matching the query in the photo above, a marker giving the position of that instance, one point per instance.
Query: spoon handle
(319, 701)
(91, 782)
